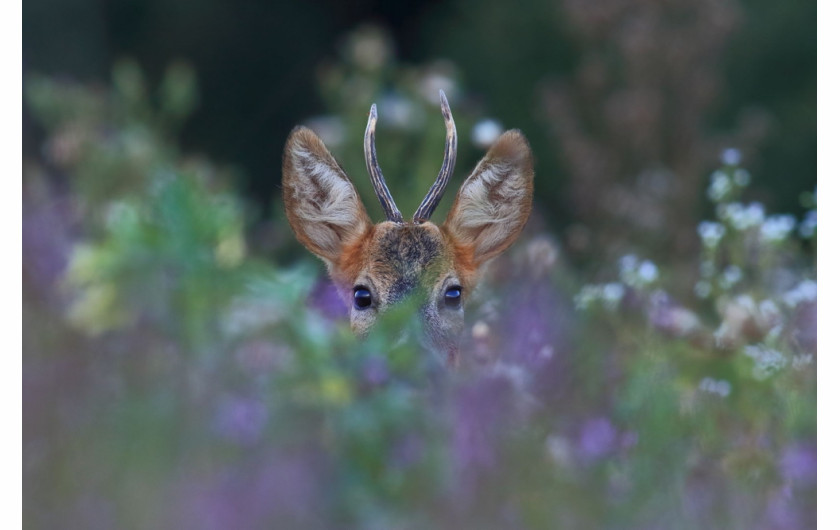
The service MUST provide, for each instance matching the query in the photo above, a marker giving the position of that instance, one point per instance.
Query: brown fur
(394, 259)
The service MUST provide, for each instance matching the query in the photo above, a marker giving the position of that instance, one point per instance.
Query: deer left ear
(323, 208)
(494, 202)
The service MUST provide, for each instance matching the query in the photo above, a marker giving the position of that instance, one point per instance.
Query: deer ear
(322, 205)
(494, 202)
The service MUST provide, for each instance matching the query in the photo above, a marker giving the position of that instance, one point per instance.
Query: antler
(430, 202)
(392, 213)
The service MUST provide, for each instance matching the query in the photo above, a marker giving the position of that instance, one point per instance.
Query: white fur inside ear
(324, 201)
(494, 203)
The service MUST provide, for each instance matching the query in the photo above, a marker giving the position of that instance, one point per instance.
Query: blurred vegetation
(175, 376)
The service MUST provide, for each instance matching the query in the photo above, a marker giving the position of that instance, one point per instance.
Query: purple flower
(805, 326)
(480, 410)
(799, 464)
(597, 438)
(241, 420)
(268, 492)
(533, 318)
(324, 297)
(407, 451)
(46, 242)
(375, 371)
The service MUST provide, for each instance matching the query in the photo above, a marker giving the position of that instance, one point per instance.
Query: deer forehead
(398, 258)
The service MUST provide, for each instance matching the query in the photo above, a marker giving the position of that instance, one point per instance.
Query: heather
(187, 365)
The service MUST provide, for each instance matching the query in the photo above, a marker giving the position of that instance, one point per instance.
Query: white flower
(711, 233)
(742, 217)
(777, 227)
(329, 128)
(741, 177)
(609, 294)
(806, 291)
(731, 275)
(737, 314)
(769, 312)
(808, 226)
(587, 296)
(801, 361)
(702, 289)
(767, 360)
(720, 186)
(627, 263)
(560, 450)
(635, 273)
(730, 156)
(400, 112)
(480, 330)
(648, 272)
(612, 294)
(714, 386)
(485, 132)
(439, 76)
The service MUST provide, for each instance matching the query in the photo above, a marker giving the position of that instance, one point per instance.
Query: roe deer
(374, 266)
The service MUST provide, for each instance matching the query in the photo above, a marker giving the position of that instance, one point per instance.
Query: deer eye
(361, 298)
(452, 297)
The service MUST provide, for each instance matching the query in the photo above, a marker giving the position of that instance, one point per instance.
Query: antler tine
(392, 213)
(430, 202)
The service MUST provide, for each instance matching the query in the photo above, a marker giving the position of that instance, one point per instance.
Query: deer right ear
(322, 205)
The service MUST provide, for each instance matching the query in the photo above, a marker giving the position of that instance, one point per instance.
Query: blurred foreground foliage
(175, 378)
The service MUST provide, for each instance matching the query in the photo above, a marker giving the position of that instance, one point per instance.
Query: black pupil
(361, 298)
(452, 297)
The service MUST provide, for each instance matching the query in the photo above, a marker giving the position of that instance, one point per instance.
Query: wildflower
(241, 419)
(665, 315)
(587, 296)
(767, 360)
(799, 463)
(637, 274)
(542, 254)
(375, 370)
(731, 275)
(738, 321)
(121, 213)
(612, 294)
(720, 186)
(711, 233)
(777, 227)
(480, 330)
(808, 226)
(769, 315)
(559, 450)
(336, 390)
(230, 250)
(702, 289)
(730, 156)
(741, 177)
(400, 112)
(742, 217)
(485, 132)
(802, 360)
(707, 268)
(609, 294)
(329, 128)
(648, 272)
(439, 76)
(598, 437)
(806, 291)
(720, 387)
(369, 48)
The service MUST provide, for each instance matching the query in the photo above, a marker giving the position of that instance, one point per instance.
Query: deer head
(374, 266)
